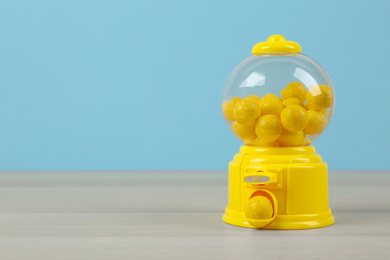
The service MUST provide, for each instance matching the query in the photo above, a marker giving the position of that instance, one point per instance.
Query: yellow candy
(319, 97)
(323, 126)
(294, 118)
(227, 109)
(246, 111)
(271, 105)
(292, 101)
(316, 121)
(270, 95)
(236, 99)
(291, 139)
(244, 132)
(259, 207)
(294, 90)
(268, 128)
(254, 97)
(260, 143)
(323, 111)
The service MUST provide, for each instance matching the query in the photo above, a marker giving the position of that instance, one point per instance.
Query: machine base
(294, 179)
(317, 220)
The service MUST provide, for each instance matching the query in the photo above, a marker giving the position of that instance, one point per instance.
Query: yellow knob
(276, 44)
(276, 37)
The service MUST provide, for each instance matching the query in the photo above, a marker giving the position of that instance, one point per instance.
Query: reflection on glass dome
(255, 79)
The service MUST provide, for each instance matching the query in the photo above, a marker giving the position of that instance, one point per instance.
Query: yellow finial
(276, 44)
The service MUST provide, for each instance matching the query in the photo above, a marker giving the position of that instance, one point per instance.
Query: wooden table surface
(177, 215)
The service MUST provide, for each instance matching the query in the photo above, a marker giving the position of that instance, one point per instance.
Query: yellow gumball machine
(277, 102)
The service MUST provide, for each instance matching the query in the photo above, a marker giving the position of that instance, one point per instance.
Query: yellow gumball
(289, 139)
(294, 90)
(319, 97)
(259, 207)
(323, 126)
(244, 132)
(316, 121)
(255, 98)
(292, 101)
(227, 109)
(323, 111)
(235, 100)
(246, 111)
(271, 105)
(268, 128)
(294, 118)
(270, 95)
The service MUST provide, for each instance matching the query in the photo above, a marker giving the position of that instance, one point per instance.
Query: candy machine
(277, 102)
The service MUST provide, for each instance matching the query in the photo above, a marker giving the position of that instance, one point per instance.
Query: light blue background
(137, 84)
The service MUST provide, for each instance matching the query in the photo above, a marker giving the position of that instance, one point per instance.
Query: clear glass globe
(278, 99)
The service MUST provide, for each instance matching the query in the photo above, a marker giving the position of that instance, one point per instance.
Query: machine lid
(276, 44)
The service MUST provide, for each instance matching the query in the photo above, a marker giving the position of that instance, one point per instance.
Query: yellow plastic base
(288, 222)
(295, 179)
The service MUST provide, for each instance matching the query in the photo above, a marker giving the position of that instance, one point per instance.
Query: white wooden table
(177, 215)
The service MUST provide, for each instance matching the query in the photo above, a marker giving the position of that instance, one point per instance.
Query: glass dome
(278, 96)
